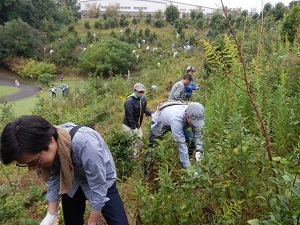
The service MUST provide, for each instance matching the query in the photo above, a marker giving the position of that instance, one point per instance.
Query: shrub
(111, 55)
(87, 25)
(121, 144)
(35, 69)
(159, 23)
(45, 78)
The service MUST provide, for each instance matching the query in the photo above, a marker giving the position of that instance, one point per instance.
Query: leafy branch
(248, 83)
(222, 60)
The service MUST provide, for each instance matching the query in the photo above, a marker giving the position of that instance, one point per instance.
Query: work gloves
(50, 219)
(135, 131)
(198, 155)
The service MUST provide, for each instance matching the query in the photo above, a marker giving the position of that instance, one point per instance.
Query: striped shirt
(94, 168)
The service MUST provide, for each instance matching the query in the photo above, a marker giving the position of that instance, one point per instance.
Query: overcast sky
(245, 4)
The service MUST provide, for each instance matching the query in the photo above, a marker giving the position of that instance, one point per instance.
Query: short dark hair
(187, 77)
(30, 134)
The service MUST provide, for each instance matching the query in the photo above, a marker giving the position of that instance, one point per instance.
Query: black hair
(187, 77)
(30, 134)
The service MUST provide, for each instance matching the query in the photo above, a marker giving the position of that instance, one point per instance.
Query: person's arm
(52, 214)
(53, 184)
(194, 86)
(93, 218)
(197, 139)
(53, 207)
(147, 111)
(98, 167)
(129, 111)
(52, 196)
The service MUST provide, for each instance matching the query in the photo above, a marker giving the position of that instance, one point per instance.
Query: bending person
(76, 170)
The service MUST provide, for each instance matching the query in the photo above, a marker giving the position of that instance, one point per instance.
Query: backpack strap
(74, 130)
(167, 103)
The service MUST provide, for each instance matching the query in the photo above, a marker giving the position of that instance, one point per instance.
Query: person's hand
(87, 223)
(192, 172)
(135, 131)
(50, 219)
(198, 155)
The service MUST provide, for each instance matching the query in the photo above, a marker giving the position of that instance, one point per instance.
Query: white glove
(135, 131)
(196, 174)
(198, 155)
(50, 219)
(192, 172)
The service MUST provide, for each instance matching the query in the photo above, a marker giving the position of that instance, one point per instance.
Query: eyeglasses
(32, 163)
(141, 92)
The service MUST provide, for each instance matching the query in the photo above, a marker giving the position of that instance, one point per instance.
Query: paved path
(27, 90)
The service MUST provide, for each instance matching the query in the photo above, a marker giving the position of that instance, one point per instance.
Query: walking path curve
(27, 90)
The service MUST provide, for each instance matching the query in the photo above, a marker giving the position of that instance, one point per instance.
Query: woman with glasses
(75, 169)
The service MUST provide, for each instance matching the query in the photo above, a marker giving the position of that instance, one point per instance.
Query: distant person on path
(176, 118)
(188, 89)
(135, 107)
(17, 83)
(75, 167)
(61, 78)
(177, 91)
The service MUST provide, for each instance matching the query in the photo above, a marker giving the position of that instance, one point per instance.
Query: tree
(72, 6)
(172, 13)
(291, 23)
(110, 56)
(112, 11)
(217, 25)
(35, 69)
(18, 38)
(278, 11)
(193, 14)
(94, 9)
(32, 12)
(158, 14)
(159, 23)
(148, 18)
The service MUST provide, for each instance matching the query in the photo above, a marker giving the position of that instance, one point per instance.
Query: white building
(134, 7)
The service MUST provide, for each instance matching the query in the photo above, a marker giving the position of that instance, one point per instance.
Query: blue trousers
(113, 211)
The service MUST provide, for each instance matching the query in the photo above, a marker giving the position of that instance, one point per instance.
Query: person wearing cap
(177, 91)
(135, 107)
(176, 118)
(188, 89)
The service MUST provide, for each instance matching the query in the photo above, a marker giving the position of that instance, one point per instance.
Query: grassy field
(26, 105)
(6, 90)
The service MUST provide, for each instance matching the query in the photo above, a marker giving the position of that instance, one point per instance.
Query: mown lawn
(26, 105)
(8, 90)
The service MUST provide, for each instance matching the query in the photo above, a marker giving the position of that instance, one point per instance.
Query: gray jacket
(177, 91)
(173, 117)
(94, 168)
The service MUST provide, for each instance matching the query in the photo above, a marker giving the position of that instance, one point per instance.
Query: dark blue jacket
(135, 108)
(188, 89)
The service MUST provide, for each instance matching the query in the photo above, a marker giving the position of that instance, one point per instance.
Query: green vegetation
(248, 74)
